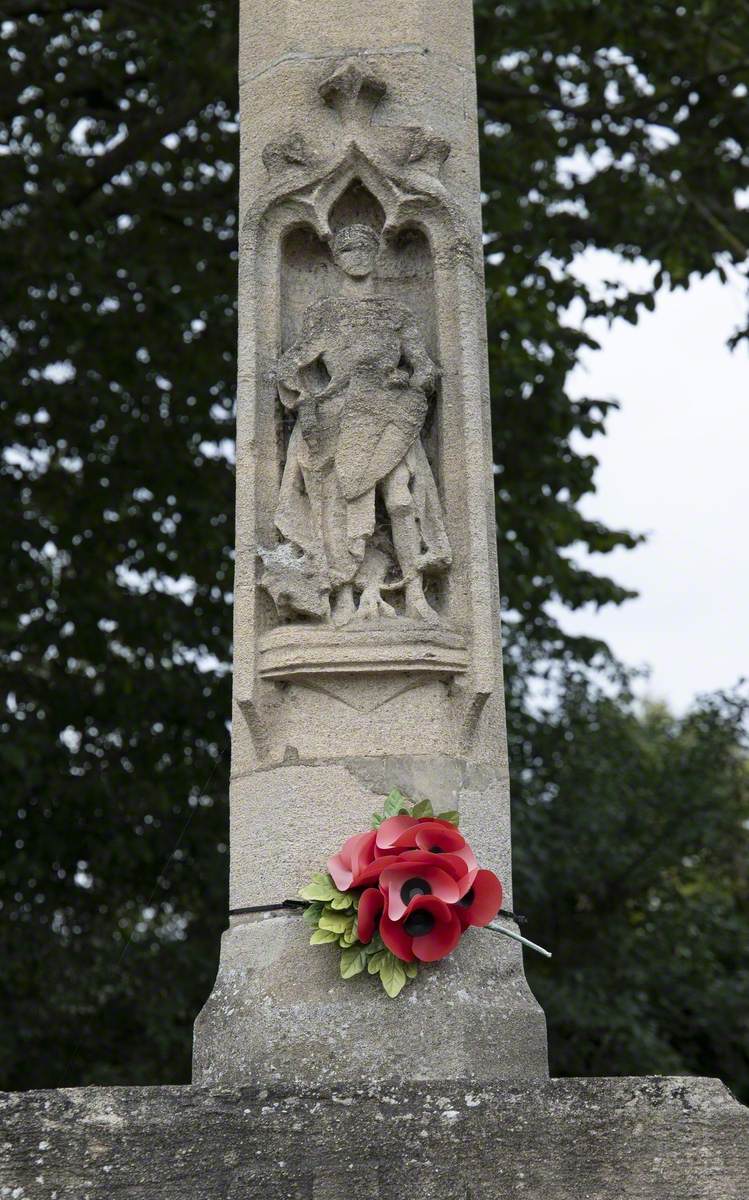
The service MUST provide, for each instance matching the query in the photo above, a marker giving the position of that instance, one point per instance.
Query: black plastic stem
(292, 904)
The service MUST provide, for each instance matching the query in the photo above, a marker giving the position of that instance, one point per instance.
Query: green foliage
(351, 934)
(321, 888)
(323, 937)
(613, 126)
(353, 962)
(392, 974)
(335, 921)
(117, 497)
(118, 256)
(631, 844)
(331, 927)
(311, 915)
(397, 804)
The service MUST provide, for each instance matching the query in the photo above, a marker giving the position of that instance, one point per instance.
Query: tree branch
(29, 9)
(142, 139)
(643, 107)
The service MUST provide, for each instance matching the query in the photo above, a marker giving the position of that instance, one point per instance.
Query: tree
(117, 248)
(118, 252)
(631, 847)
(606, 126)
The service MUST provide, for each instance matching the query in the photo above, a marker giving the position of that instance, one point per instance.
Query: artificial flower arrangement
(401, 894)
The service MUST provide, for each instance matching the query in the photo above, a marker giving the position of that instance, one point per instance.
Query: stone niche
(360, 576)
(365, 545)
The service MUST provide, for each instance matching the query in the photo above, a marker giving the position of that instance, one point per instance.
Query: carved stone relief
(359, 518)
(358, 508)
(367, 439)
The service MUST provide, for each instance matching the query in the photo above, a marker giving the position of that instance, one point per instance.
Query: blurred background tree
(611, 126)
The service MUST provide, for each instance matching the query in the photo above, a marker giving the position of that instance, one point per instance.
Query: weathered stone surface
(279, 1009)
(567, 1139)
(367, 649)
(357, 380)
(282, 1007)
(363, 463)
(267, 868)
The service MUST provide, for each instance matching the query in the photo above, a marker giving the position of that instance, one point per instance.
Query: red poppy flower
(415, 875)
(347, 865)
(371, 904)
(401, 835)
(429, 834)
(429, 930)
(453, 864)
(463, 865)
(434, 837)
(482, 901)
(390, 830)
(371, 873)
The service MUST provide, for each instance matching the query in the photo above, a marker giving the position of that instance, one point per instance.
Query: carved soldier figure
(358, 379)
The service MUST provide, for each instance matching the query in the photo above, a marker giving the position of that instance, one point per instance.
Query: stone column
(367, 644)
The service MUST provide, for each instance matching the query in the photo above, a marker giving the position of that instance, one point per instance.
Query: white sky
(674, 464)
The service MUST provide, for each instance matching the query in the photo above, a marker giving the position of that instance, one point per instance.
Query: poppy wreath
(401, 894)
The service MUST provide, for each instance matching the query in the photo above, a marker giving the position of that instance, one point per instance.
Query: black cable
(292, 904)
(517, 917)
(259, 908)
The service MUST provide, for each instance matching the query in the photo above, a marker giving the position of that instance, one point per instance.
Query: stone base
(280, 1013)
(566, 1139)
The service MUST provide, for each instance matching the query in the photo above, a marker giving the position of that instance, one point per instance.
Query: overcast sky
(675, 464)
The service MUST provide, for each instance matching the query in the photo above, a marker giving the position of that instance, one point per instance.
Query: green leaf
(321, 887)
(376, 961)
(452, 815)
(312, 914)
(321, 937)
(395, 804)
(350, 936)
(411, 969)
(341, 901)
(352, 962)
(422, 809)
(392, 975)
(336, 922)
(377, 819)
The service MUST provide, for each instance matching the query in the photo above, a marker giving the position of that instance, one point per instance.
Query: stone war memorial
(368, 673)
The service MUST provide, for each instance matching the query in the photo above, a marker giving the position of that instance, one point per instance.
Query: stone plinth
(314, 1025)
(566, 1139)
